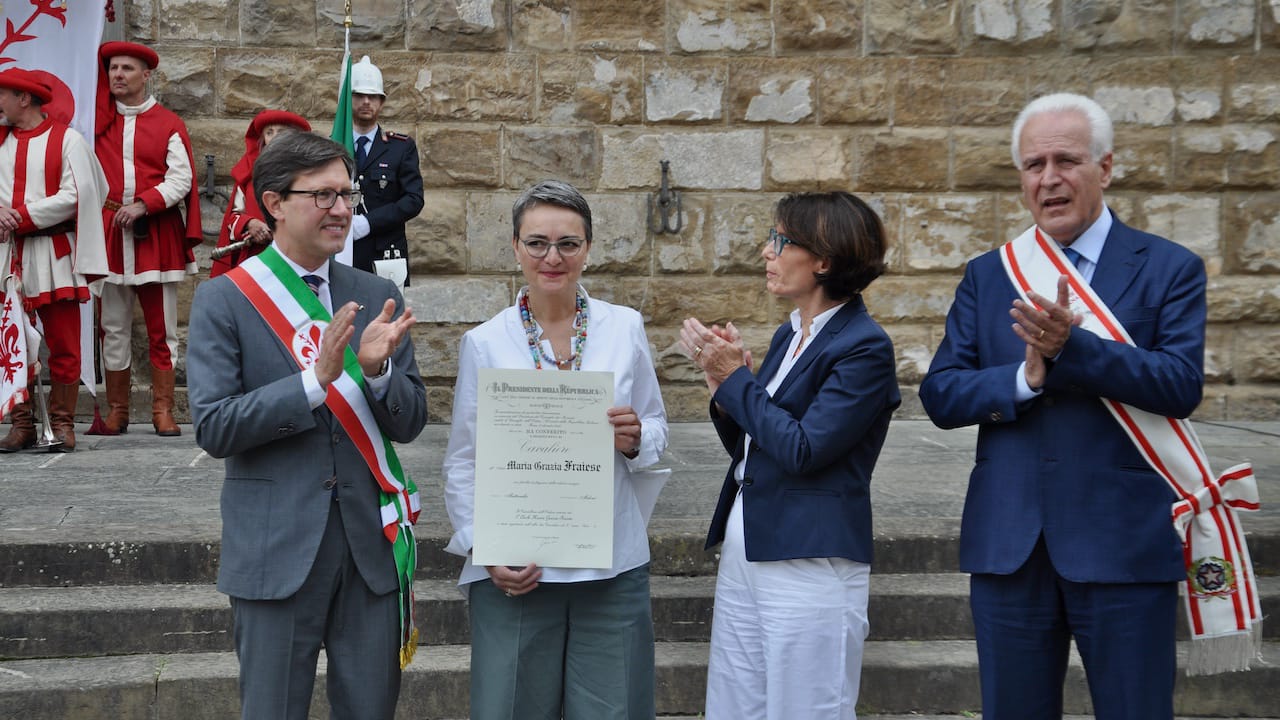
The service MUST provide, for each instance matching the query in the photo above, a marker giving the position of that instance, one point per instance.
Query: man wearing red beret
(51, 235)
(152, 217)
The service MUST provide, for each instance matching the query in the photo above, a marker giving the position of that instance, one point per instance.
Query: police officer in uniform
(387, 170)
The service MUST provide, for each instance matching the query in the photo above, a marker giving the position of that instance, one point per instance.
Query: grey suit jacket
(248, 406)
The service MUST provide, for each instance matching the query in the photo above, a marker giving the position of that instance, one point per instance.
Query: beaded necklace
(574, 360)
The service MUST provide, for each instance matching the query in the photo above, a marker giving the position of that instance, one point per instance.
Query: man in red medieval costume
(51, 237)
(152, 218)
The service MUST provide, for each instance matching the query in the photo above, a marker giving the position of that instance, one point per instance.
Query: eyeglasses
(540, 248)
(326, 199)
(779, 241)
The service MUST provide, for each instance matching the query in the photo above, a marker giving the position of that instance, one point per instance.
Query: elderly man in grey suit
(301, 374)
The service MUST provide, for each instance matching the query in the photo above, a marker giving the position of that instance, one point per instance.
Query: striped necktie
(313, 282)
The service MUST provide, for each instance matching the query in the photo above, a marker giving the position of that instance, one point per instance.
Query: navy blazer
(1059, 465)
(806, 492)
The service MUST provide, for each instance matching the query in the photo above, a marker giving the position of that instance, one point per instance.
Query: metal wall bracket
(665, 205)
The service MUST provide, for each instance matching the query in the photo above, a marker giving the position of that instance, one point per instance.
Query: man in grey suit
(313, 491)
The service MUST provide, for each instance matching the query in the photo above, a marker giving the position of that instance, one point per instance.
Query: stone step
(938, 677)
(132, 619)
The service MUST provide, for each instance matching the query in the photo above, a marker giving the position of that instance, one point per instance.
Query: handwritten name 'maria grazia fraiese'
(566, 466)
(562, 389)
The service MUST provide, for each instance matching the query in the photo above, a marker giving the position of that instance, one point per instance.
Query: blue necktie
(1073, 256)
(313, 282)
(362, 151)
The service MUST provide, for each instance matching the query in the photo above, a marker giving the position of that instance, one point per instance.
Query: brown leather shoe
(162, 403)
(62, 415)
(22, 434)
(118, 392)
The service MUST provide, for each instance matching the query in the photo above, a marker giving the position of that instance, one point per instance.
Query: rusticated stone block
(625, 25)
(939, 92)
(901, 160)
(435, 347)
(820, 26)
(209, 22)
(809, 160)
(452, 155)
(685, 90)
(1218, 343)
(707, 160)
(542, 24)
(1217, 23)
(982, 160)
(674, 366)
(439, 400)
(620, 239)
(438, 236)
(489, 233)
(773, 91)
(1270, 14)
(459, 25)
(375, 25)
(718, 26)
(739, 229)
(686, 403)
(854, 91)
(1192, 221)
(889, 207)
(1142, 158)
(1235, 155)
(249, 80)
(476, 86)
(224, 140)
(1015, 25)
(535, 154)
(1244, 299)
(920, 299)
(596, 90)
(686, 251)
(1255, 358)
(1252, 226)
(138, 20)
(184, 81)
(454, 300)
(1152, 106)
(1253, 87)
(1133, 25)
(668, 301)
(1012, 217)
(1239, 402)
(919, 27)
(913, 348)
(943, 232)
(1064, 74)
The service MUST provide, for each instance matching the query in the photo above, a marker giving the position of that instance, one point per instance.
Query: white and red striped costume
(49, 175)
(146, 155)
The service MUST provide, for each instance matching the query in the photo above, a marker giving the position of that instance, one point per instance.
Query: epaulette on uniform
(388, 135)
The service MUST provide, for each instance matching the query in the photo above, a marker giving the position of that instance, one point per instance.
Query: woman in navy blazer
(804, 433)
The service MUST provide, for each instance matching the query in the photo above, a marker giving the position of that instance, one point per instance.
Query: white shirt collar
(322, 272)
(371, 135)
(819, 322)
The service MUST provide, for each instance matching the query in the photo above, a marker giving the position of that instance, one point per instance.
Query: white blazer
(616, 343)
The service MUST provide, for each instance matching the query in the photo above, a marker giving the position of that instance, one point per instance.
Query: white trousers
(786, 636)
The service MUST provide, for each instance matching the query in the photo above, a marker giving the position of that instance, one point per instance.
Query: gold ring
(1041, 335)
(508, 593)
(697, 351)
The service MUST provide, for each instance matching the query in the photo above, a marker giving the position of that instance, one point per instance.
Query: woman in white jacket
(549, 642)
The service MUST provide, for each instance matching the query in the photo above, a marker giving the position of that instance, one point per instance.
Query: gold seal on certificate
(544, 469)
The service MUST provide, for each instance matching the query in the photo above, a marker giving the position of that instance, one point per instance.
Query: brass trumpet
(228, 249)
(44, 430)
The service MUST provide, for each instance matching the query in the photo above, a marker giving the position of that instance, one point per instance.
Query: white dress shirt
(616, 343)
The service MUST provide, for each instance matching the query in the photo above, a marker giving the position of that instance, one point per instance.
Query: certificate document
(544, 469)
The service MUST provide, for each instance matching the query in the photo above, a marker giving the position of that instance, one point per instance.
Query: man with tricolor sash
(301, 374)
(1078, 350)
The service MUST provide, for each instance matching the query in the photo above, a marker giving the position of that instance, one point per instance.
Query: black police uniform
(392, 187)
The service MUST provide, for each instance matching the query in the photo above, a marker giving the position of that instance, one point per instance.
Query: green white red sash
(297, 317)
(1221, 595)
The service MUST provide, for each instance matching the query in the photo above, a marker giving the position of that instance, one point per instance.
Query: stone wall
(906, 102)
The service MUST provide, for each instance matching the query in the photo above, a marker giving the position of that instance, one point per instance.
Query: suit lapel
(1123, 256)
(819, 342)
(376, 149)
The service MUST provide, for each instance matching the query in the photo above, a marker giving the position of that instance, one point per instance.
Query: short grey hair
(551, 192)
(290, 154)
(1101, 132)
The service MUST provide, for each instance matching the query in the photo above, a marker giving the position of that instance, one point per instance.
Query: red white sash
(1221, 595)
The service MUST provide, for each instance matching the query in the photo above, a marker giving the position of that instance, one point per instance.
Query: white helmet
(366, 78)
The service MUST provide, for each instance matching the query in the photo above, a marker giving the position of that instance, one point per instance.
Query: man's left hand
(382, 336)
(127, 215)
(1046, 325)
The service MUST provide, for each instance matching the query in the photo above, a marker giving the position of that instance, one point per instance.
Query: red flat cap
(117, 48)
(26, 81)
(277, 117)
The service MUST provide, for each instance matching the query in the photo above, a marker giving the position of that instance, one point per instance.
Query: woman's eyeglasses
(779, 241)
(540, 248)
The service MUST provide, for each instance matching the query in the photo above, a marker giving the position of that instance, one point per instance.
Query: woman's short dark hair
(288, 156)
(840, 227)
(551, 192)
